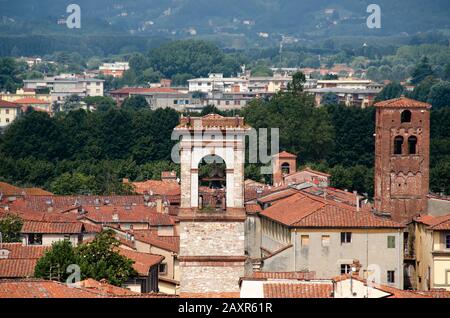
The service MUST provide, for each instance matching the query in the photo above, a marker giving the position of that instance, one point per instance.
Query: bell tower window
(406, 116)
(398, 145)
(412, 145)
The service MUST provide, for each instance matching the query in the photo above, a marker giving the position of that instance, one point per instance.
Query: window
(447, 241)
(406, 116)
(325, 240)
(305, 240)
(285, 168)
(391, 277)
(7, 120)
(398, 145)
(391, 241)
(175, 102)
(34, 239)
(7, 111)
(346, 269)
(163, 268)
(346, 237)
(66, 237)
(412, 145)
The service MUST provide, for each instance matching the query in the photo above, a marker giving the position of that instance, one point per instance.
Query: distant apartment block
(65, 85)
(116, 69)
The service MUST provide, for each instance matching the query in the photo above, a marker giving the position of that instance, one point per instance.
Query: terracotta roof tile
(19, 251)
(253, 208)
(142, 261)
(158, 187)
(285, 275)
(9, 190)
(131, 214)
(403, 102)
(298, 290)
(31, 100)
(6, 104)
(17, 268)
(285, 154)
(170, 243)
(137, 90)
(52, 227)
(304, 210)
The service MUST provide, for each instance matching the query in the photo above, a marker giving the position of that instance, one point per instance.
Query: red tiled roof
(6, 104)
(298, 290)
(212, 295)
(142, 261)
(19, 251)
(306, 211)
(40, 202)
(31, 100)
(441, 223)
(137, 90)
(285, 154)
(9, 190)
(285, 275)
(425, 219)
(38, 288)
(130, 214)
(157, 187)
(36, 191)
(17, 268)
(277, 194)
(52, 227)
(253, 208)
(170, 243)
(403, 102)
(105, 288)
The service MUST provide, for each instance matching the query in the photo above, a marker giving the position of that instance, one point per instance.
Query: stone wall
(212, 239)
(211, 279)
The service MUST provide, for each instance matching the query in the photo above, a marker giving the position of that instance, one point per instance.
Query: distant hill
(264, 21)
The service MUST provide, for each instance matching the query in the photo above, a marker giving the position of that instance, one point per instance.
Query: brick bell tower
(212, 234)
(402, 157)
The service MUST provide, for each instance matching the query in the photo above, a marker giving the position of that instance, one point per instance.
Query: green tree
(297, 83)
(53, 265)
(135, 102)
(10, 227)
(422, 71)
(330, 99)
(440, 95)
(390, 91)
(330, 77)
(100, 260)
(76, 183)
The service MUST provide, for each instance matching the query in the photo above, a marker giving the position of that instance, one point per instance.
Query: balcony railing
(213, 200)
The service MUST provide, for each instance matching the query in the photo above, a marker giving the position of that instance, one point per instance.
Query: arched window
(406, 116)
(285, 168)
(398, 145)
(412, 145)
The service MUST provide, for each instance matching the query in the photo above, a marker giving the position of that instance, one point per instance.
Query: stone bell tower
(402, 157)
(212, 237)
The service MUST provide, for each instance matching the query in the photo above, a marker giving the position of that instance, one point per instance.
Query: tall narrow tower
(402, 157)
(212, 236)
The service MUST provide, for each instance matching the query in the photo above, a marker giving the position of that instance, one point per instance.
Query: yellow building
(26, 93)
(431, 241)
(8, 112)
